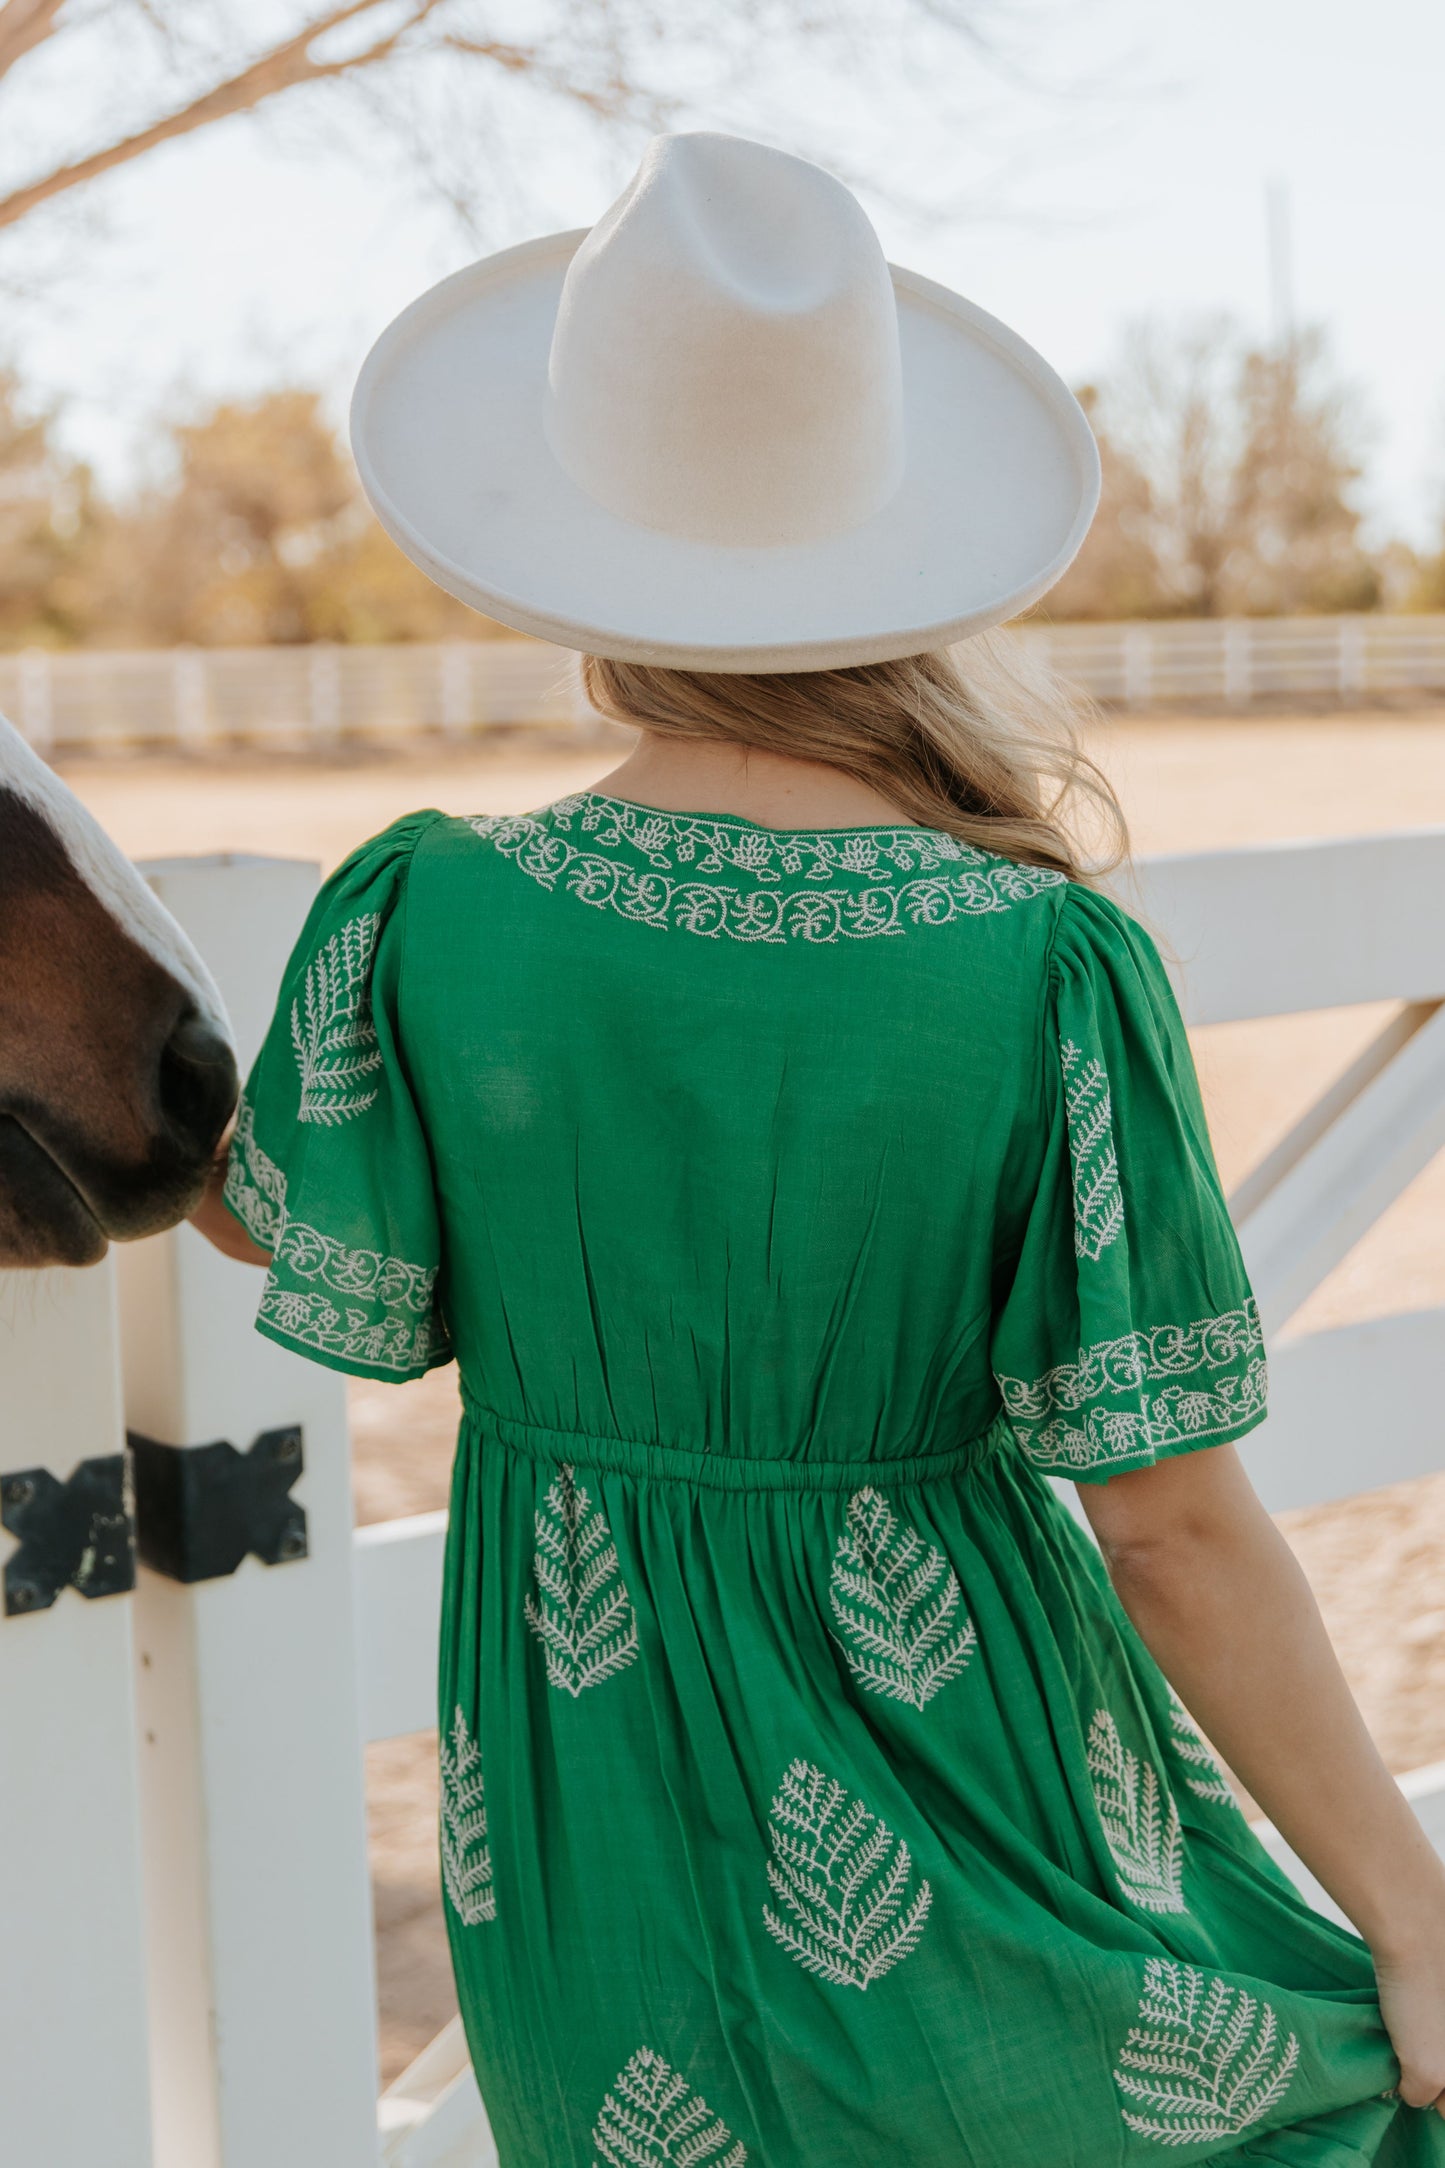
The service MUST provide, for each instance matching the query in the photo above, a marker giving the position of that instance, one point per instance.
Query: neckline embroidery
(704, 843)
(721, 876)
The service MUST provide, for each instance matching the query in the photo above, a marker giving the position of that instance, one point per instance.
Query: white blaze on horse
(116, 1069)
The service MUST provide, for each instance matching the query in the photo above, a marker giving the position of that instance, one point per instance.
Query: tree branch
(285, 67)
(24, 24)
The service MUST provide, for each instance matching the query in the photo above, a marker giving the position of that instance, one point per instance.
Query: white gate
(182, 1813)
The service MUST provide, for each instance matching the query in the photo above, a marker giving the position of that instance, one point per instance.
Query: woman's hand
(214, 1218)
(1411, 1985)
(1220, 1601)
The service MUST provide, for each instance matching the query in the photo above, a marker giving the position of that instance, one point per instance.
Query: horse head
(116, 1069)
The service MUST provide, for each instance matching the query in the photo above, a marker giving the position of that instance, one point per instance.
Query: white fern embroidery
(1204, 2061)
(845, 1879)
(1089, 1108)
(581, 1612)
(1139, 1818)
(652, 2118)
(898, 1605)
(331, 1027)
(1191, 1746)
(466, 1855)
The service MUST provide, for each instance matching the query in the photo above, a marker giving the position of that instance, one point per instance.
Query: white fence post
(190, 688)
(73, 2080)
(37, 698)
(1238, 661)
(258, 1898)
(1350, 672)
(324, 690)
(1138, 665)
(454, 662)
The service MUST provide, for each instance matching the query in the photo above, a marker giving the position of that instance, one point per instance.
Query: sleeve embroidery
(393, 1341)
(1130, 1398)
(255, 1186)
(331, 1026)
(386, 1314)
(1089, 1108)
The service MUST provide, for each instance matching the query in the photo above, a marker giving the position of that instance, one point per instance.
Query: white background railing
(1232, 661)
(182, 1812)
(192, 698)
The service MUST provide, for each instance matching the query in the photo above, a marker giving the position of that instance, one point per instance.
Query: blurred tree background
(1231, 469)
(1229, 477)
(259, 534)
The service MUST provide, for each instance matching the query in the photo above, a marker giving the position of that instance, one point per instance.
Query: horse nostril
(196, 1041)
(198, 1081)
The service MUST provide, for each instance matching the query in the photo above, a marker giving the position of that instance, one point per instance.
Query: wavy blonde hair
(980, 740)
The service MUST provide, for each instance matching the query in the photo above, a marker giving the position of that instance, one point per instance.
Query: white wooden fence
(192, 698)
(181, 1817)
(1233, 661)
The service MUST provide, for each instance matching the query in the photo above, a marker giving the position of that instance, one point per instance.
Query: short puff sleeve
(329, 1167)
(1130, 1332)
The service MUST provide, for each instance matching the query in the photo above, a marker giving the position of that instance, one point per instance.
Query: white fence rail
(1233, 661)
(200, 1742)
(192, 698)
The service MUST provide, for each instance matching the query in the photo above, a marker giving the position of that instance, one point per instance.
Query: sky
(1116, 167)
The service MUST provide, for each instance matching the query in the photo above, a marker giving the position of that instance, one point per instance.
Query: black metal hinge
(77, 1534)
(201, 1509)
(192, 1512)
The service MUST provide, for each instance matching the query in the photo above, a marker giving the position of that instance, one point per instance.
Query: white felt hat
(718, 431)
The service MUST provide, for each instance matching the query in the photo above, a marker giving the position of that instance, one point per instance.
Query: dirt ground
(1377, 1564)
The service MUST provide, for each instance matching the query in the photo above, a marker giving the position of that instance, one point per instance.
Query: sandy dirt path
(1377, 1564)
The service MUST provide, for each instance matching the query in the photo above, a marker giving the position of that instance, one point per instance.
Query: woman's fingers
(1411, 1988)
(1423, 2088)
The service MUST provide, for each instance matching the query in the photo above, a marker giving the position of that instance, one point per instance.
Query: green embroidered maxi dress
(795, 1203)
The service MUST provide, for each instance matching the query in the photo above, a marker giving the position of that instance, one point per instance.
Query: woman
(803, 1160)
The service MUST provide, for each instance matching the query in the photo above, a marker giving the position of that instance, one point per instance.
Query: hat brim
(1001, 481)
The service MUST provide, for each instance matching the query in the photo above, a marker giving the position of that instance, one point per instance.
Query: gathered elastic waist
(729, 1471)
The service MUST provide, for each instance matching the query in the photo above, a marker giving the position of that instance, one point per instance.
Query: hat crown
(725, 361)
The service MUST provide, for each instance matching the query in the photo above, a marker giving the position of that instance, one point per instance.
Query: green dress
(795, 1204)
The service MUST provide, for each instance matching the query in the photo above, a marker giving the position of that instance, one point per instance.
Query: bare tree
(1171, 408)
(1230, 470)
(1116, 573)
(420, 70)
(1298, 542)
(47, 520)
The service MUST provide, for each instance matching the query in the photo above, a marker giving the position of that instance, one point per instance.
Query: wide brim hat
(718, 431)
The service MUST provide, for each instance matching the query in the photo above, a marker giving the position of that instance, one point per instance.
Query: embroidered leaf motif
(844, 1880)
(331, 1026)
(1139, 1818)
(255, 1186)
(898, 1605)
(466, 1855)
(1191, 1746)
(1098, 1199)
(1204, 2061)
(652, 2118)
(581, 1612)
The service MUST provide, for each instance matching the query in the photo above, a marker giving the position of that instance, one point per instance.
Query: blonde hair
(979, 740)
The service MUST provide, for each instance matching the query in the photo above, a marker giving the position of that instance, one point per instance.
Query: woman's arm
(1222, 1605)
(215, 1219)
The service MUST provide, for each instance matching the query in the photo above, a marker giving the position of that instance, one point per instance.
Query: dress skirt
(822, 1823)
